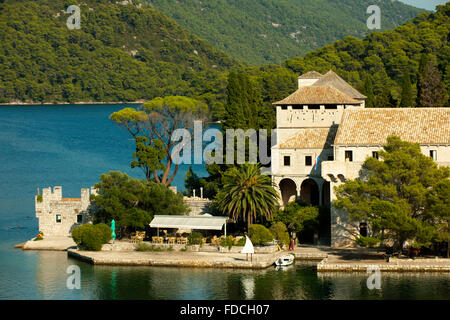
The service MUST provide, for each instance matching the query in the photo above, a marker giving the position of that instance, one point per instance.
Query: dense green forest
(129, 52)
(377, 64)
(271, 31)
(121, 53)
(406, 67)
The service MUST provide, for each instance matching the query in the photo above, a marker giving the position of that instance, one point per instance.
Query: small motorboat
(285, 260)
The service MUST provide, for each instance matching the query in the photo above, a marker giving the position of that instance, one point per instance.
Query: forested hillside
(271, 31)
(406, 67)
(127, 52)
(385, 65)
(123, 52)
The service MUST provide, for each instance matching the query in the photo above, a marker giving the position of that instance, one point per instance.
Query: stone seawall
(309, 256)
(420, 265)
(175, 259)
(49, 243)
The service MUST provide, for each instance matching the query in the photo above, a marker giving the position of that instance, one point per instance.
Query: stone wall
(198, 205)
(290, 117)
(51, 205)
(297, 164)
(343, 232)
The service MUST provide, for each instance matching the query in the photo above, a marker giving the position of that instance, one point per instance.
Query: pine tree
(406, 100)
(191, 182)
(403, 195)
(385, 99)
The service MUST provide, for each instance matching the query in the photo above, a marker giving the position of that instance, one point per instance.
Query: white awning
(201, 222)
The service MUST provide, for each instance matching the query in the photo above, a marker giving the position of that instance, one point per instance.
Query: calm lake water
(72, 146)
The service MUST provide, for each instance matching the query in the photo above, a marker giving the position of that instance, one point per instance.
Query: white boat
(285, 260)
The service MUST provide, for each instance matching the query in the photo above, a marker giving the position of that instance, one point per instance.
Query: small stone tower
(58, 216)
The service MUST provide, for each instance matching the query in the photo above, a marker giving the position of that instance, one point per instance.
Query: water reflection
(248, 284)
(46, 279)
(394, 285)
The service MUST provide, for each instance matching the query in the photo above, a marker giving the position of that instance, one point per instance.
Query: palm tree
(247, 194)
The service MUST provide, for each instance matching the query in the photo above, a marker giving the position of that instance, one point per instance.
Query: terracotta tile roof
(70, 199)
(311, 75)
(332, 79)
(373, 126)
(314, 138)
(317, 95)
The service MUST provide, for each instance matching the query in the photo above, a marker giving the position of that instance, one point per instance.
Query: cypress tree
(420, 74)
(233, 107)
(431, 93)
(368, 91)
(244, 104)
(406, 100)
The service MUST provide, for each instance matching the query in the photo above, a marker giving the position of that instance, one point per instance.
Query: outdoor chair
(140, 236)
(133, 238)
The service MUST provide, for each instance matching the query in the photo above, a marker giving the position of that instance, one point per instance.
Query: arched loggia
(288, 190)
(309, 192)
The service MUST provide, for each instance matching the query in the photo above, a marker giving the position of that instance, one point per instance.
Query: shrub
(144, 247)
(367, 241)
(299, 217)
(39, 198)
(147, 247)
(227, 242)
(279, 232)
(106, 232)
(259, 234)
(195, 238)
(241, 242)
(78, 232)
(91, 237)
